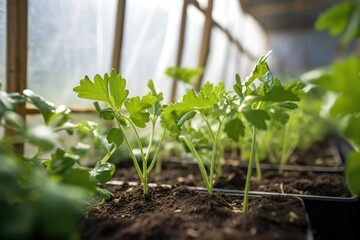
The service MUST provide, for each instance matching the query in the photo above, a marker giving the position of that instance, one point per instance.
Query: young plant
(110, 89)
(257, 104)
(209, 106)
(41, 184)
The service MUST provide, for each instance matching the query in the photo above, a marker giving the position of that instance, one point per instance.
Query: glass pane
(68, 39)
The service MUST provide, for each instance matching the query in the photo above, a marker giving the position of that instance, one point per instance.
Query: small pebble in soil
(253, 231)
(292, 216)
(192, 233)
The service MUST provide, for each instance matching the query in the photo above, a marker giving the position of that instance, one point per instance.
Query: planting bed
(181, 213)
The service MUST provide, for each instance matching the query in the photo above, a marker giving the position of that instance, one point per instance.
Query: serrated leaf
(260, 69)
(157, 107)
(115, 135)
(257, 118)
(109, 89)
(104, 113)
(278, 94)
(335, 19)
(97, 90)
(234, 129)
(136, 108)
(103, 172)
(117, 84)
(190, 102)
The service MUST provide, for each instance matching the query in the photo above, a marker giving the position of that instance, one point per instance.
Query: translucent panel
(217, 59)
(150, 43)
(68, 39)
(2, 43)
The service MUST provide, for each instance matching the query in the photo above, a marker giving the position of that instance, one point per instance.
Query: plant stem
(284, 147)
(213, 156)
(249, 171)
(108, 155)
(200, 164)
(136, 164)
(257, 164)
(154, 160)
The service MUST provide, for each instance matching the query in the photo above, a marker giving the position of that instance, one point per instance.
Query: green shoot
(210, 106)
(110, 89)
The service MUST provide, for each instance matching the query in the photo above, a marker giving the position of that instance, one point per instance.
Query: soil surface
(179, 213)
(295, 182)
(321, 154)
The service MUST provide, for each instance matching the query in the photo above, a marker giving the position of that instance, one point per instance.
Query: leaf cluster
(47, 192)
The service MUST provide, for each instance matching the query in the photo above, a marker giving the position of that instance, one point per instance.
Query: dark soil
(179, 213)
(295, 182)
(321, 154)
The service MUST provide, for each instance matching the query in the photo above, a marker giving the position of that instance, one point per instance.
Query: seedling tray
(236, 194)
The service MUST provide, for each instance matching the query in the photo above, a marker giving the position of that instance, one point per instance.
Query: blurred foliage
(45, 195)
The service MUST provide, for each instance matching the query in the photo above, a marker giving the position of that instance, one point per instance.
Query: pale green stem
(108, 155)
(257, 163)
(249, 172)
(154, 160)
(284, 148)
(137, 138)
(209, 126)
(136, 164)
(213, 156)
(200, 164)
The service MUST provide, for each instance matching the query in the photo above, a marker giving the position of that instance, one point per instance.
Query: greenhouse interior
(152, 119)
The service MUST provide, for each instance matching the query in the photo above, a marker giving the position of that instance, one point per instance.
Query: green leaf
(352, 130)
(61, 162)
(288, 105)
(278, 94)
(190, 102)
(261, 68)
(104, 113)
(117, 84)
(281, 116)
(103, 172)
(97, 90)
(48, 109)
(335, 19)
(79, 177)
(115, 135)
(136, 108)
(234, 129)
(157, 107)
(352, 171)
(109, 89)
(186, 75)
(257, 118)
(187, 116)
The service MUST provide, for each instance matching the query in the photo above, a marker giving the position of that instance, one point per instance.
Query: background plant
(209, 106)
(258, 103)
(44, 195)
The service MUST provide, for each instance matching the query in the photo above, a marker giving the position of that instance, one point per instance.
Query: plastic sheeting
(70, 39)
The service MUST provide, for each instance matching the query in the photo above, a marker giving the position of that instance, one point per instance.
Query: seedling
(210, 106)
(110, 89)
(257, 104)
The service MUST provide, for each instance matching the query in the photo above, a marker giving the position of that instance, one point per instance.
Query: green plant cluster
(44, 195)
